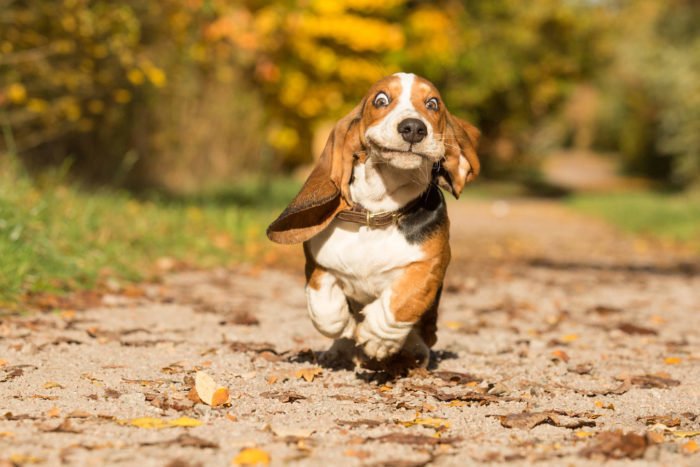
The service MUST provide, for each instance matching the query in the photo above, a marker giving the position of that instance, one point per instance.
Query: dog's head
(401, 120)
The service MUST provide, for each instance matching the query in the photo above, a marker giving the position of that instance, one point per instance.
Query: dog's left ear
(461, 165)
(325, 192)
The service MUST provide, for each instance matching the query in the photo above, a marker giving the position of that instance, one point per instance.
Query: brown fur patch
(312, 270)
(414, 293)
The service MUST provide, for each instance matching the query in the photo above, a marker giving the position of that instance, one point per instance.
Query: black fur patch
(428, 216)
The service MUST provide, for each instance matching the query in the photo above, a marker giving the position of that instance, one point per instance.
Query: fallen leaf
(54, 412)
(672, 361)
(309, 373)
(584, 434)
(283, 396)
(404, 438)
(231, 417)
(51, 385)
(79, 414)
(617, 445)
(3, 362)
(453, 325)
(457, 377)
(436, 423)
(252, 456)
(630, 328)
(369, 423)
(690, 447)
(654, 381)
(560, 355)
(210, 392)
(7, 434)
(569, 338)
(686, 434)
(112, 393)
(529, 420)
(151, 422)
(296, 432)
(188, 440)
(63, 427)
(667, 420)
(272, 380)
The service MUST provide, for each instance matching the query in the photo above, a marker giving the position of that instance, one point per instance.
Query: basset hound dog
(374, 222)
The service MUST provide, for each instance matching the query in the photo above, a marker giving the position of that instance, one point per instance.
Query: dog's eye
(381, 100)
(432, 104)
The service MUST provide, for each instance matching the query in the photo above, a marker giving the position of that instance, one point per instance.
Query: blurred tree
(652, 90)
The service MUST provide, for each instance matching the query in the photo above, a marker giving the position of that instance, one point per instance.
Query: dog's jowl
(374, 222)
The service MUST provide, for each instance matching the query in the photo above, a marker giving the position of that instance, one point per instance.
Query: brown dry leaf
(667, 420)
(369, 423)
(456, 377)
(51, 385)
(64, 427)
(79, 414)
(560, 355)
(243, 318)
(252, 456)
(465, 397)
(194, 441)
(112, 393)
(193, 396)
(403, 438)
(659, 380)
(617, 445)
(690, 447)
(630, 328)
(309, 373)
(283, 396)
(621, 389)
(210, 392)
(231, 417)
(54, 412)
(528, 420)
(252, 347)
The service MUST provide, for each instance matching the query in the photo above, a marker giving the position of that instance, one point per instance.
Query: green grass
(56, 237)
(674, 217)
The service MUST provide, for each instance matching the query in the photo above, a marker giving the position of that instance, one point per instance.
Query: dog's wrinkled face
(403, 122)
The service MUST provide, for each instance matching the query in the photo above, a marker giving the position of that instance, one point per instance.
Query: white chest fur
(365, 260)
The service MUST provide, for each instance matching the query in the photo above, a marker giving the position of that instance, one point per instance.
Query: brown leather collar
(360, 215)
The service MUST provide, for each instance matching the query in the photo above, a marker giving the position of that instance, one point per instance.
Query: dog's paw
(378, 347)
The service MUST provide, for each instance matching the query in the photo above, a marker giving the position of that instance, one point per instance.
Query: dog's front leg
(391, 317)
(328, 306)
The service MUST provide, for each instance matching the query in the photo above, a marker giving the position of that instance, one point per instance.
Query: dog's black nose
(412, 130)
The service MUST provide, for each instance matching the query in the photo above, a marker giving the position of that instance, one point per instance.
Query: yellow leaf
(453, 325)
(584, 434)
(3, 362)
(456, 404)
(55, 413)
(209, 391)
(51, 385)
(184, 421)
(147, 422)
(672, 361)
(569, 338)
(690, 447)
(18, 459)
(686, 434)
(252, 456)
(309, 373)
(8, 434)
(436, 423)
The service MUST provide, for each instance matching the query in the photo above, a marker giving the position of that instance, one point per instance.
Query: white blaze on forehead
(404, 105)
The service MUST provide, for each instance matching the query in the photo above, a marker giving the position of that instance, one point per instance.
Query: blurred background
(183, 113)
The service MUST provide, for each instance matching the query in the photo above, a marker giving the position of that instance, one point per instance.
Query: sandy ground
(555, 331)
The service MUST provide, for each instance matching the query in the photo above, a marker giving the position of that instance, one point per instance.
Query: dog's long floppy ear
(325, 192)
(461, 165)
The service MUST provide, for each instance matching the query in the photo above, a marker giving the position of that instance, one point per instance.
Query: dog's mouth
(393, 152)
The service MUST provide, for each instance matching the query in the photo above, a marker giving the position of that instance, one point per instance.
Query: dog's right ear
(325, 192)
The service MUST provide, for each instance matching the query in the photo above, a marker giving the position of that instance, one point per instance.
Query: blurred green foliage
(175, 93)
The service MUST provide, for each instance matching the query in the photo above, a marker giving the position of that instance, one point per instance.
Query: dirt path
(583, 329)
